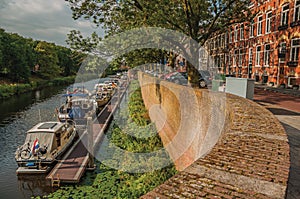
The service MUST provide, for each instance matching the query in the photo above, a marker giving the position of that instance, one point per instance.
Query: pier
(78, 158)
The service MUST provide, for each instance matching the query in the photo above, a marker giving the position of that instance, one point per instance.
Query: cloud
(42, 20)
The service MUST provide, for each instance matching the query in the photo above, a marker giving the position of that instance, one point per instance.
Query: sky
(47, 20)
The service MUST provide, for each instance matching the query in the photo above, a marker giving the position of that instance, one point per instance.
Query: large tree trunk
(193, 75)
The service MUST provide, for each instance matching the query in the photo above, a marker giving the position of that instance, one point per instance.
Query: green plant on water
(106, 182)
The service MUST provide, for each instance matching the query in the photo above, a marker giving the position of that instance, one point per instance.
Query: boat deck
(73, 164)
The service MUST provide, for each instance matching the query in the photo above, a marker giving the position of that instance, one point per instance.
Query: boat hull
(26, 170)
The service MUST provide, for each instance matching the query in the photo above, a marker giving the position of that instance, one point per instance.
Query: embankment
(224, 145)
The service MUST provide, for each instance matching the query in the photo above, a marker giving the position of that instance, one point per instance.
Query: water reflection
(19, 114)
(29, 185)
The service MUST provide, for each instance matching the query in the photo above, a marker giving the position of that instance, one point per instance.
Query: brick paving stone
(255, 147)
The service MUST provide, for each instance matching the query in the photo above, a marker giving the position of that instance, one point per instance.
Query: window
(230, 37)
(297, 11)
(219, 41)
(282, 51)
(257, 58)
(234, 60)
(242, 32)
(241, 58)
(251, 31)
(259, 25)
(267, 55)
(295, 49)
(250, 56)
(268, 22)
(235, 33)
(285, 15)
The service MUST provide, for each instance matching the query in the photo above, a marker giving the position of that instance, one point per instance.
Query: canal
(19, 114)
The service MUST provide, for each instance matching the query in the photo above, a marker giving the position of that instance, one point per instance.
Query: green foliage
(7, 90)
(106, 182)
(19, 56)
(197, 19)
(110, 183)
(220, 77)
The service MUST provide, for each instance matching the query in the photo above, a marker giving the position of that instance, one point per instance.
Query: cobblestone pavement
(250, 160)
(286, 107)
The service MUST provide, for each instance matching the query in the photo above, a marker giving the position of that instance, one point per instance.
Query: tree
(64, 60)
(47, 60)
(14, 61)
(198, 19)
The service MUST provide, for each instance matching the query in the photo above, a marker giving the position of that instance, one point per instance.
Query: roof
(50, 127)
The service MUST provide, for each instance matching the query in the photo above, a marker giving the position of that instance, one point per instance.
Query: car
(178, 78)
(166, 75)
(205, 78)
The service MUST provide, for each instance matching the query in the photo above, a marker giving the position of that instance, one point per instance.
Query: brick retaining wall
(223, 145)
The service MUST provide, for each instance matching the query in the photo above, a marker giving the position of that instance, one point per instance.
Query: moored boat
(44, 144)
(102, 98)
(103, 93)
(78, 108)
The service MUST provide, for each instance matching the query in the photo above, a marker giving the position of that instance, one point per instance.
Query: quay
(78, 159)
(249, 158)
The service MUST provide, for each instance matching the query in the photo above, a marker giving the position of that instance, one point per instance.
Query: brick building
(266, 49)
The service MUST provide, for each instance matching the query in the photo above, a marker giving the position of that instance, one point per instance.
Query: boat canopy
(44, 139)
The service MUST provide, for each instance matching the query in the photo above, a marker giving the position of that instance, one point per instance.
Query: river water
(19, 114)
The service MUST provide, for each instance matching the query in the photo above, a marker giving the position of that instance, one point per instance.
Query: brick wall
(223, 145)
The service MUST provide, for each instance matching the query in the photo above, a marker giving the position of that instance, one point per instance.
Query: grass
(10, 89)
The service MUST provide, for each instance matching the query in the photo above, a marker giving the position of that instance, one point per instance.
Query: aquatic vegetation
(135, 135)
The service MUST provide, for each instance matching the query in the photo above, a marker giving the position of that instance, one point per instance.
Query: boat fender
(30, 164)
(43, 150)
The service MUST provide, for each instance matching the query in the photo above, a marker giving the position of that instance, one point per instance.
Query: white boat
(103, 92)
(77, 108)
(102, 98)
(44, 144)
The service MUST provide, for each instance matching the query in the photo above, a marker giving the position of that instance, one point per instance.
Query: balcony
(292, 63)
(295, 23)
(283, 27)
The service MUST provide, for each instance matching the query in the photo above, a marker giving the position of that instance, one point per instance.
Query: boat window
(58, 139)
(47, 126)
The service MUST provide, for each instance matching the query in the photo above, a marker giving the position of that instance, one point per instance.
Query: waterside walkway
(285, 105)
(250, 160)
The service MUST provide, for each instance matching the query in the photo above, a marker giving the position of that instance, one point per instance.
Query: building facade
(265, 49)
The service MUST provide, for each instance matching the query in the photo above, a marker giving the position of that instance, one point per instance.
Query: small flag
(35, 146)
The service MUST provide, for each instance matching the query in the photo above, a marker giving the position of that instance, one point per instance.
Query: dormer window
(251, 32)
(297, 11)
(268, 22)
(285, 15)
(235, 33)
(242, 32)
(259, 25)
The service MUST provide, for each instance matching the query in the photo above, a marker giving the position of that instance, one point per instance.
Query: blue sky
(48, 20)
